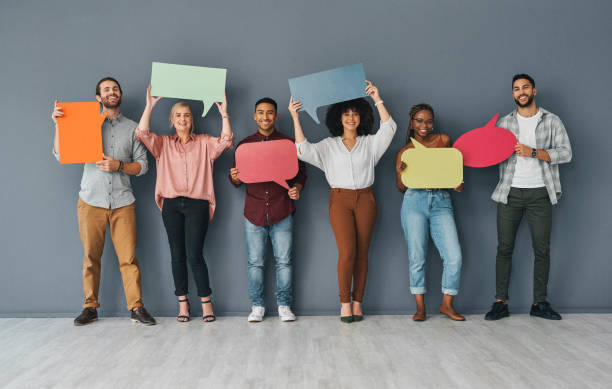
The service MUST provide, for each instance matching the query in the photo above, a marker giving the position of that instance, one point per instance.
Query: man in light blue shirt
(106, 198)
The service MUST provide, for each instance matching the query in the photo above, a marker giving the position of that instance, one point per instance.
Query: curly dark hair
(523, 76)
(413, 111)
(333, 118)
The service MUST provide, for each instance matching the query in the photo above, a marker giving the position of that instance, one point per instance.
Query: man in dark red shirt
(268, 213)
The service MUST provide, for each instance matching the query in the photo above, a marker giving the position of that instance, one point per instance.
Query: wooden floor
(315, 351)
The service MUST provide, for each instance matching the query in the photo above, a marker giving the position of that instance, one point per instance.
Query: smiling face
(265, 116)
(110, 94)
(422, 123)
(523, 92)
(181, 118)
(350, 120)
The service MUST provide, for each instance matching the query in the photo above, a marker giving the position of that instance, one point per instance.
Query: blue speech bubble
(328, 87)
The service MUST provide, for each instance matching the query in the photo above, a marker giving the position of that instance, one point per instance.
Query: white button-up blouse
(348, 169)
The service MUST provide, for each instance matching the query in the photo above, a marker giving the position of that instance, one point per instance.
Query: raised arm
(216, 146)
(226, 130)
(306, 151)
(372, 91)
(383, 137)
(294, 105)
(152, 141)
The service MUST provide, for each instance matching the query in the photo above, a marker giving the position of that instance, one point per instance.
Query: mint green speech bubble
(188, 82)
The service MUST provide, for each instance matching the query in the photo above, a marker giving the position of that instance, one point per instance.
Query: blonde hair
(182, 104)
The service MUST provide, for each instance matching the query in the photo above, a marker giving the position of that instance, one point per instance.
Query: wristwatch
(534, 153)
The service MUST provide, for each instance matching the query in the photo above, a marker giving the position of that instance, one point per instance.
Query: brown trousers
(92, 227)
(352, 214)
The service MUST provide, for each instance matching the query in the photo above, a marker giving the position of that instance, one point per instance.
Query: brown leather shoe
(140, 315)
(419, 316)
(451, 313)
(89, 315)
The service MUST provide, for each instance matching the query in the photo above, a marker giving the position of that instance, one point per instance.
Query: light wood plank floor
(315, 351)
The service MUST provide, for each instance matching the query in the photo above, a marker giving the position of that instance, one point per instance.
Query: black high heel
(183, 318)
(204, 318)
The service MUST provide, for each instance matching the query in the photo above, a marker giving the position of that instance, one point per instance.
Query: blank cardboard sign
(328, 87)
(188, 82)
(274, 160)
(486, 146)
(432, 167)
(80, 132)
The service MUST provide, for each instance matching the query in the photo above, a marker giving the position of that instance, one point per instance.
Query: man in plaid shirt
(528, 184)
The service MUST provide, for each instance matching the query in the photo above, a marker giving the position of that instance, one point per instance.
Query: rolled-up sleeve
(383, 137)
(561, 152)
(217, 145)
(313, 153)
(56, 155)
(153, 142)
(139, 154)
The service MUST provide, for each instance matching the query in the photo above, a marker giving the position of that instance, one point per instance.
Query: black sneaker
(499, 310)
(89, 315)
(544, 311)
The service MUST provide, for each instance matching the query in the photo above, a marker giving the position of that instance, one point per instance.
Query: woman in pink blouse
(184, 192)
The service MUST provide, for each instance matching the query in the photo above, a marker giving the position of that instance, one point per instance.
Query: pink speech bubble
(274, 160)
(486, 146)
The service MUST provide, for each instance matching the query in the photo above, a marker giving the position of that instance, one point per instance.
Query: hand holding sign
(486, 146)
(431, 167)
(274, 160)
(328, 87)
(80, 131)
(188, 82)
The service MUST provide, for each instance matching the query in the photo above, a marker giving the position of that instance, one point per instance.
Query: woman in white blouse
(348, 159)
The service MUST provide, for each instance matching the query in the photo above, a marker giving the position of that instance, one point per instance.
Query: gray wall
(458, 56)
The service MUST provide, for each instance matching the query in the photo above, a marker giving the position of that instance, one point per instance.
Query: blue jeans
(424, 213)
(281, 236)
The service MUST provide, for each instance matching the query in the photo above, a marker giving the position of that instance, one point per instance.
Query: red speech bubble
(486, 146)
(274, 160)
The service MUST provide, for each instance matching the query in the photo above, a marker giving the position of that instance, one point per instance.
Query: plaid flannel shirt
(550, 136)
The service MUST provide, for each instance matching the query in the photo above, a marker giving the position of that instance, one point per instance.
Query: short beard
(528, 103)
(108, 105)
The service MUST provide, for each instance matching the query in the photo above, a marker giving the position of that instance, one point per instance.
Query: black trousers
(535, 205)
(186, 222)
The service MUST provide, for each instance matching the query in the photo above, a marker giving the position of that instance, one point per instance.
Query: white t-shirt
(527, 173)
(348, 169)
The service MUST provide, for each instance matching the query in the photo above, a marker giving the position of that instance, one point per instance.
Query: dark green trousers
(535, 204)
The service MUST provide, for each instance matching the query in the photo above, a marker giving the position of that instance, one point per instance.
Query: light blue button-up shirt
(113, 190)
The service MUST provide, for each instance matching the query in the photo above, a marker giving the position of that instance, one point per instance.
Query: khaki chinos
(92, 227)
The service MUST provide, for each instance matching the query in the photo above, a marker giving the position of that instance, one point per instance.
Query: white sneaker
(285, 314)
(257, 314)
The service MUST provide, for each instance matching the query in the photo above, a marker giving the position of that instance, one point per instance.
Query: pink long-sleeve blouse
(185, 170)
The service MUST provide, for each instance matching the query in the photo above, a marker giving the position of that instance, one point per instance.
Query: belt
(341, 190)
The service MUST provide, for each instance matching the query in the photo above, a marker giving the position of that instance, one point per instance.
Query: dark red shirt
(268, 203)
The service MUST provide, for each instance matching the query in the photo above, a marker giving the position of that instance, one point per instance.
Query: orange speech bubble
(80, 132)
(274, 160)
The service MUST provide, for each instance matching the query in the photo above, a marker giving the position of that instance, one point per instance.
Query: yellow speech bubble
(432, 167)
